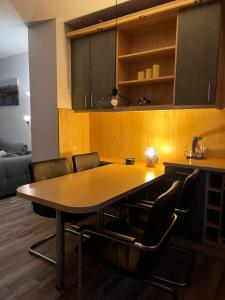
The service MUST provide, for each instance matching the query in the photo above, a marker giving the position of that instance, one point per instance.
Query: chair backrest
(161, 215)
(82, 162)
(46, 170)
(49, 169)
(187, 193)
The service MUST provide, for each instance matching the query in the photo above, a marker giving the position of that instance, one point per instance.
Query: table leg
(59, 250)
(80, 266)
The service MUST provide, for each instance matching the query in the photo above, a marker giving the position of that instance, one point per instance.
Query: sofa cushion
(4, 154)
(17, 148)
(14, 171)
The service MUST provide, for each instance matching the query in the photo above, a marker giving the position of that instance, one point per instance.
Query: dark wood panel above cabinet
(109, 13)
(197, 54)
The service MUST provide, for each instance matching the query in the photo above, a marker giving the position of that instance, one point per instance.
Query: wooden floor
(25, 277)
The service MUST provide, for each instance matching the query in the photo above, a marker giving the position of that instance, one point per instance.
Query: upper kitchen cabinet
(167, 56)
(197, 54)
(93, 70)
(102, 68)
(80, 66)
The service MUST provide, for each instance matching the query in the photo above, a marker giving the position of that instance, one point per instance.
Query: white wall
(43, 89)
(50, 66)
(12, 126)
(13, 31)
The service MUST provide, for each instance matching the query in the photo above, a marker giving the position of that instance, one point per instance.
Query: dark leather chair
(183, 208)
(185, 199)
(46, 170)
(86, 161)
(135, 250)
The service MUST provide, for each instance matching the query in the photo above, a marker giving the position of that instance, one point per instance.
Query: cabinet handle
(85, 101)
(209, 92)
(91, 100)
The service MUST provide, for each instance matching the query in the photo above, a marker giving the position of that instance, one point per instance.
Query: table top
(209, 164)
(90, 190)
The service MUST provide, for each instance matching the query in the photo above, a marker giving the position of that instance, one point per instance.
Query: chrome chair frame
(147, 204)
(40, 255)
(127, 240)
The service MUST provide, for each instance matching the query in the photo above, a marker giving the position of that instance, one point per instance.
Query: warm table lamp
(151, 156)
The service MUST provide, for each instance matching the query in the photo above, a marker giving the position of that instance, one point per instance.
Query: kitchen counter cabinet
(206, 221)
(209, 164)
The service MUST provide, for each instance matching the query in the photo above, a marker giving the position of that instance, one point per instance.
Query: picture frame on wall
(9, 92)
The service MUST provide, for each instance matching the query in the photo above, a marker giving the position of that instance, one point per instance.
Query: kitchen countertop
(209, 164)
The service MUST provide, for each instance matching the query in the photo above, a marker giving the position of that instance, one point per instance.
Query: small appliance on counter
(198, 150)
(130, 161)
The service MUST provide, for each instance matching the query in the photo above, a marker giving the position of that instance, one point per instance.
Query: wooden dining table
(87, 192)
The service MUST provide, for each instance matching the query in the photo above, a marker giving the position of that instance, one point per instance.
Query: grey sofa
(14, 167)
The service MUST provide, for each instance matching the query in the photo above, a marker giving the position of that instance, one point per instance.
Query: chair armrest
(181, 211)
(149, 205)
(125, 239)
(147, 202)
(112, 235)
(155, 247)
(176, 176)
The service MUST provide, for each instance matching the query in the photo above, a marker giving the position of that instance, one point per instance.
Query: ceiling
(13, 32)
(36, 10)
(13, 14)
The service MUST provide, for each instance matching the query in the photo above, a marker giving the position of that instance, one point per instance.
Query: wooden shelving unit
(165, 35)
(141, 46)
(214, 225)
(161, 79)
(144, 55)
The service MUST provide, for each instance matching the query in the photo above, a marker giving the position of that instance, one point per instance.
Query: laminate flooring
(25, 277)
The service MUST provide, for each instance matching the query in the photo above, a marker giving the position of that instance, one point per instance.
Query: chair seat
(49, 212)
(139, 216)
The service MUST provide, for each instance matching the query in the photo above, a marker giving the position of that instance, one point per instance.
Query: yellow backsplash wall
(74, 133)
(116, 135)
(127, 134)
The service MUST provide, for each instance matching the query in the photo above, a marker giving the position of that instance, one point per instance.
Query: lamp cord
(28, 124)
(116, 13)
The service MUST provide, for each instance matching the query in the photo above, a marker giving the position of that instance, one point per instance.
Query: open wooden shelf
(139, 47)
(144, 55)
(214, 223)
(161, 79)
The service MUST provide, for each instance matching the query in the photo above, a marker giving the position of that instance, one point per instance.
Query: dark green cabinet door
(80, 60)
(102, 59)
(197, 54)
